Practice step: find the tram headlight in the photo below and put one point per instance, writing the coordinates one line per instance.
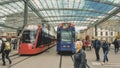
(33, 45)
(68, 46)
(64, 46)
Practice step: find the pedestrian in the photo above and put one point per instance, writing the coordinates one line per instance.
(105, 47)
(5, 50)
(116, 46)
(0, 44)
(97, 45)
(79, 56)
(15, 44)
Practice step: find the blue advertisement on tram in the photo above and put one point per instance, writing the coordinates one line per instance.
(66, 38)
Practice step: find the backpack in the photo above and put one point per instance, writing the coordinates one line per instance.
(7, 46)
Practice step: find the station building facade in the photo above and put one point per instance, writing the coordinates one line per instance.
(101, 34)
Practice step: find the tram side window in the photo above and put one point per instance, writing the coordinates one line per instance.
(40, 39)
(49, 39)
(44, 38)
(25, 37)
(45, 35)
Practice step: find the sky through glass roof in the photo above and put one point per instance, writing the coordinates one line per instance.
(80, 12)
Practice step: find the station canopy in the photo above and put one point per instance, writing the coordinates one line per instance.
(83, 13)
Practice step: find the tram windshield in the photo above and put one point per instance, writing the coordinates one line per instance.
(66, 36)
(28, 36)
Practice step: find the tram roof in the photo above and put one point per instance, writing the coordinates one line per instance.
(82, 13)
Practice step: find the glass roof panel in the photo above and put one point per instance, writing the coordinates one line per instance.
(41, 13)
(44, 3)
(5, 9)
(20, 4)
(53, 13)
(80, 12)
(50, 4)
(44, 12)
(11, 8)
(66, 3)
(15, 6)
(98, 6)
(65, 8)
(114, 1)
(1, 14)
(71, 3)
(59, 3)
(36, 4)
(3, 0)
(56, 12)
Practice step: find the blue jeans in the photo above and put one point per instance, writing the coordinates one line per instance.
(105, 56)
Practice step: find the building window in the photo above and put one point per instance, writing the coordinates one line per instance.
(96, 34)
(118, 33)
(106, 33)
(101, 33)
(111, 33)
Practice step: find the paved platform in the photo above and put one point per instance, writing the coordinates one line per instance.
(114, 59)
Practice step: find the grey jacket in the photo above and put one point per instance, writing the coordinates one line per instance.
(80, 59)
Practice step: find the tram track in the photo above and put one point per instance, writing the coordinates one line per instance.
(10, 56)
(21, 60)
(61, 58)
(16, 59)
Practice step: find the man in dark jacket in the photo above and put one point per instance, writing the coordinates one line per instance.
(97, 45)
(116, 45)
(80, 56)
(15, 44)
(5, 52)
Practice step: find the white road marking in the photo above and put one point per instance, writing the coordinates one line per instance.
(96, 63)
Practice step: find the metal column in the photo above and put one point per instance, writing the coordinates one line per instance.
(95, 30)
(25, 13)
(20, 29)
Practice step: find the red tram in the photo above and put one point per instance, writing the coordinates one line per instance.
(35, 39)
